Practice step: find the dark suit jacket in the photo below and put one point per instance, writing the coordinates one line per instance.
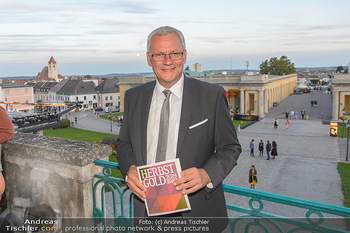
(212, 146)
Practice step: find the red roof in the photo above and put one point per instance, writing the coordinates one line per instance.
(52, 61)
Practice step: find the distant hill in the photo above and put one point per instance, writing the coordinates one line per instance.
(19, 77)
(236, 71)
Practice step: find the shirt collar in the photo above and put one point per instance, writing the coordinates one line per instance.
(177, 89)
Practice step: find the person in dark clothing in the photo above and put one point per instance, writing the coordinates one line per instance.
(274, 150)
(261, 148)
(275, 123)
(268, 149)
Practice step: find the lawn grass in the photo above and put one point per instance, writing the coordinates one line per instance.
(106, 116)
(344, 171)
(241, 123)
(340, 131)
(77, 134)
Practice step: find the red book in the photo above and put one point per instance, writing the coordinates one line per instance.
(161, 196)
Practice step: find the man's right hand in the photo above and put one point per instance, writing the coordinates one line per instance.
(134, 183)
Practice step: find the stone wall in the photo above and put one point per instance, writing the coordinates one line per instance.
(53, 171)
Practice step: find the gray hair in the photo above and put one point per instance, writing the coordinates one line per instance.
(163, 31)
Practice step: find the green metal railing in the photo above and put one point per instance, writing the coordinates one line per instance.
(253, 218)
(312, 222)
(105, 182)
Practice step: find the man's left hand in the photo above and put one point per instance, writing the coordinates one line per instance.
(192, 180)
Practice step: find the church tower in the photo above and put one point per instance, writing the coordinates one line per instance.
(52, 69)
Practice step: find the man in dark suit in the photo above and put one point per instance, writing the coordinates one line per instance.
(201, 133)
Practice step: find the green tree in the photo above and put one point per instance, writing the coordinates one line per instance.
(277, 66)
(340, 69)
(187, 68)
(87, 76)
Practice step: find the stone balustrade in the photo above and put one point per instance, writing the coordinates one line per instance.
(53, 171)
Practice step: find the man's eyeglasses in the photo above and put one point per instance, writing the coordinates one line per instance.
(161, 56)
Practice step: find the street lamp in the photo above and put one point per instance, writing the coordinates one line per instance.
(343, 118)
(347, 141)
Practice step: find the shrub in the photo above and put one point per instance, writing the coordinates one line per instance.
(64, 123)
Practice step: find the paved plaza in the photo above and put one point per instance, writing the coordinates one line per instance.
(306, 166)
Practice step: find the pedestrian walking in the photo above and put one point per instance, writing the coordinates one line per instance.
(312, 103)
(72, 122)
(274, 150)
(253, 179)
(119, 120)
(296, 115)
(261, 148)
(251, 147)
(287, 114)
(268, 149)
(302, 114)
(287, 124)
(275, 124)
(76, 120)
(292, 114)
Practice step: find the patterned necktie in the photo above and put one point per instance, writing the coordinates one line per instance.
(163, 128)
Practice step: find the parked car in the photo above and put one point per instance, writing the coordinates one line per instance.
(99, 109)
(112, 109)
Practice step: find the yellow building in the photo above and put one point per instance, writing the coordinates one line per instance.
(341, 96)
(250, 95)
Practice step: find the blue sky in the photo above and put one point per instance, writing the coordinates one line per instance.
(105, 36)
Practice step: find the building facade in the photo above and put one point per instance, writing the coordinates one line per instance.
(14, 92)
(198, 67)
(247, 95)
(108, 93)
(341, 96)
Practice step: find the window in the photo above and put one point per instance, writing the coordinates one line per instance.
(94, 97)
(17, 91)
(111, 97)
(7, 92)
(77, 98)
(25, 90)
(106, 98)
(84, 97)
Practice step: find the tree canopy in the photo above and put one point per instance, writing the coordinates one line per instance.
(282, 66)
(339, 69)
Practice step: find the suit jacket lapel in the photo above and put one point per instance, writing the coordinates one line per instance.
(188, 99)
(146, 104)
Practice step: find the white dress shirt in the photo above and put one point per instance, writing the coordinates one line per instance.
(174, 120)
